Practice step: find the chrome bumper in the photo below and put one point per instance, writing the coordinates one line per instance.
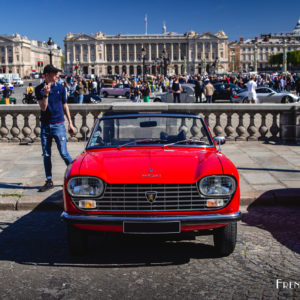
(119, 220)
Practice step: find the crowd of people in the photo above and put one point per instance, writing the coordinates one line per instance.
(141, 90)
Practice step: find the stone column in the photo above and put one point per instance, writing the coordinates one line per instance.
(172, 52)
(150, 52)
(211, 50)
(81, 55)
(179, 51)
(74, 55)
(120, 53)
(134, 53)
(127, 53)
(112, 52)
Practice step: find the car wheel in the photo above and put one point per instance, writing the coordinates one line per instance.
(157, 100)
(24, 101)
(287, 99)
(225, 239)
(105, 95)
(245, 100)
(77, 240)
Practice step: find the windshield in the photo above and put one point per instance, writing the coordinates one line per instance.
(137, 131)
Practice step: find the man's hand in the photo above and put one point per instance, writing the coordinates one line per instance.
(47, 88)
(71, 128)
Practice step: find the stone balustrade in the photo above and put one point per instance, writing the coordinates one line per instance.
(237, 122)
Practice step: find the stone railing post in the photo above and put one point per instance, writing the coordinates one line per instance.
(218, 129)
(229, 129)
(37, 128)
(15, 130)
(26, 130)
(252, 130)
(263, 129)
(241, 130)
(3, 130)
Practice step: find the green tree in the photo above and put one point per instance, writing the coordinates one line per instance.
(293, 58)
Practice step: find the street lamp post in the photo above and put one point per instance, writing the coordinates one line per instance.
(165, 60)
(255, 58)
(144, 58)
(50, 45)
(284, 64)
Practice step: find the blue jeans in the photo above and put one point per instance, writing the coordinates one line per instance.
(79, 99)
(58, 132)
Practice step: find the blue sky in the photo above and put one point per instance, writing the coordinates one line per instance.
(39, 19)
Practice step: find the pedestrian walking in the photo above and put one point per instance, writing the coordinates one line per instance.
(6, 93)
(79, 92)
(176, 90)
(52, 99)
(198, 91)
(146, 92)
(135, 92)
(209, 91)
(251, 85)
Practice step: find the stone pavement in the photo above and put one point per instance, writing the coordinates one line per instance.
(269, 174)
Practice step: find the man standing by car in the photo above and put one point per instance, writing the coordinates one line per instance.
(52, 98)
(251, 85)
(209, 91)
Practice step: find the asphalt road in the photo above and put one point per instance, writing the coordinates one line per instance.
(35, 263)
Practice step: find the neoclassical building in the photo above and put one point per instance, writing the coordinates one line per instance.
(21, 55)
(241, 54)
(103, 54)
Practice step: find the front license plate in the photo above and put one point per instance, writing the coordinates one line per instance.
(151, 227)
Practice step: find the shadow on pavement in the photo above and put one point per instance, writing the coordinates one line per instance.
(39, 238)
(16, 185)
(277, 211)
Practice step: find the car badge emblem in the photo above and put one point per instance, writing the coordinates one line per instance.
(151, 196)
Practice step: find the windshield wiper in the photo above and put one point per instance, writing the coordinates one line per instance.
(142, 141)
(185, 141)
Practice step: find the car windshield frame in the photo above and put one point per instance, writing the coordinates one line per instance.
(210, 143)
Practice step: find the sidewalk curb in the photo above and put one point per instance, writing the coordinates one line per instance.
(280, 197)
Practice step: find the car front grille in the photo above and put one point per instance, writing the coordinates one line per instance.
(169, 197)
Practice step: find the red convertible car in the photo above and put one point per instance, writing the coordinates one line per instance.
(152, 174)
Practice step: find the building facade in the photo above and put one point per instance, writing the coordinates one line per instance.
(245, 54)
(21, 55)
(103, 54)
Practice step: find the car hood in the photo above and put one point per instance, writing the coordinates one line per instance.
(148, 165)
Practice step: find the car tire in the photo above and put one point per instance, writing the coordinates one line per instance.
(245, 100)
(24, 101)
(105, 94)
(287, 99)
(225, 239)
(77, 240)
(157, 100)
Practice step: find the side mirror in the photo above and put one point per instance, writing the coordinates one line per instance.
(219, 140)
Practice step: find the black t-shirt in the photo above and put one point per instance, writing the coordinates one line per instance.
(175, 86)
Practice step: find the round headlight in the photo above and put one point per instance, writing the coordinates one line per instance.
(85, 186)
(217, 185)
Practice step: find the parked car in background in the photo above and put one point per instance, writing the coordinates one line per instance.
(224, 91)
(266, 95)
(117, 90)
(18, 82)
(152, 174)
(187, 95)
